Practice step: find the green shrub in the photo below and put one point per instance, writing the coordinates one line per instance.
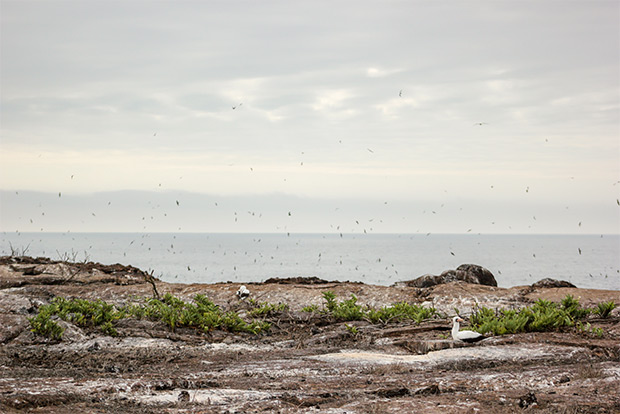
(266, 308)
(201, 314)
(604, 309)
(310, 309)
(350, 310)
(573, 308)
(399, 312)
(542, 316)
(43, 325)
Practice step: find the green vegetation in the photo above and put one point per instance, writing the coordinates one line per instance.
(79, 311)
(265, 308)
(201, 314)
(542, 316)
(589, 329)
(350, 310)
(42, 324)
(604, 308)
(352, 330)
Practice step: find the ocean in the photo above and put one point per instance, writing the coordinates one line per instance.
(588, 261)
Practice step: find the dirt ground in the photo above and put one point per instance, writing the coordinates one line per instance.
(306, 363)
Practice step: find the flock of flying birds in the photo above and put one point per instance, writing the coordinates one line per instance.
(243, 292)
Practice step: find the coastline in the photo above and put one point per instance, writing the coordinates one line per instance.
(305, 362)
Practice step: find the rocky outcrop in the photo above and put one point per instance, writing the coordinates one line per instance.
(552, 283)
(24, 270)
(468, 273)
(313, 280)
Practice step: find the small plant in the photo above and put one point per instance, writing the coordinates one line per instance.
(18, 252)
(352, 330)
(266, 308)
(330, 298)
(400, 311)
(589, 329)
(67, 257)
(348, 310)
(310, 309)
(604, 309)
(572, 306)
(43, 325)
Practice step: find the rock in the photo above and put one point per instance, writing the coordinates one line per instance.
(472, 273)
(312, 280)
(430, 390)
(392, 392)
(13, 303)
(527, 400)
(12, 326)
(424, 281)
(552, 283)
(468, 273)
(71, 333)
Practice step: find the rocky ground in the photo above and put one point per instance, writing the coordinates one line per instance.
(306, 362)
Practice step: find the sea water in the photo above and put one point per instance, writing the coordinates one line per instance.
(587, 261)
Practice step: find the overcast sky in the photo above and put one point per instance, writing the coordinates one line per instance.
(494, 111)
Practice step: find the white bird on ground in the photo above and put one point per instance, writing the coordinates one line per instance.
(465, 336)
(243, 292)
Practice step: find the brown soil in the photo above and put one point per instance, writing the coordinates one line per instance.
(305, 363)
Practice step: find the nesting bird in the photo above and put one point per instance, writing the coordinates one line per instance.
(465, 336)
(243, 292)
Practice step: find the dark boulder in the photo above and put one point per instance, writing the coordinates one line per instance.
(312, 280)
(552, 283)
(472, 273)
(468, 273)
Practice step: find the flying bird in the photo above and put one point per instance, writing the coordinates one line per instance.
(236, 106)
(243, 292)
(480, 123)
(465, 336)
(400, 93)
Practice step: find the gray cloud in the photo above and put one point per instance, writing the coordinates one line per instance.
(148, 88)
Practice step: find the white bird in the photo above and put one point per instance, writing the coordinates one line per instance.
(243, 292)
(465, 336)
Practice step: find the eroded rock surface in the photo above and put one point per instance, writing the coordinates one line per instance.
(306, 363)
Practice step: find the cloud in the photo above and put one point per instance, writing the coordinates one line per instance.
(129, 96)
(373, 72)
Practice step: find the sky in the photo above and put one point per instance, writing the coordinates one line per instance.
(355, 116)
